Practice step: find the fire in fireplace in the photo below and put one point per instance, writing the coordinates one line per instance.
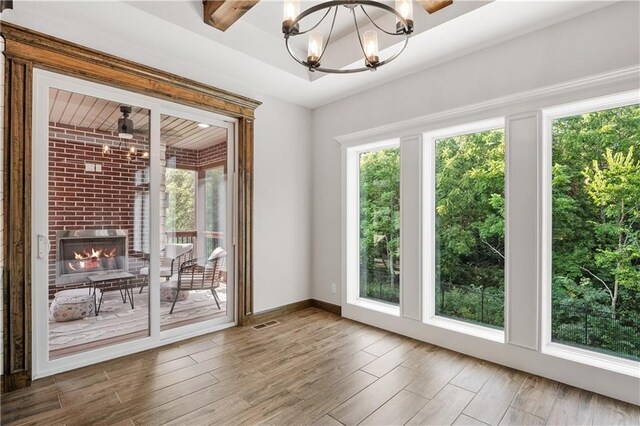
(80, 253)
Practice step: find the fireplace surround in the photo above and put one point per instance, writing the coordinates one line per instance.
(84, 252)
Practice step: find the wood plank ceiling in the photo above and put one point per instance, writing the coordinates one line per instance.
(92, 113)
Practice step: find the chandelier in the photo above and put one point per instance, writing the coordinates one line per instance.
(367, 40)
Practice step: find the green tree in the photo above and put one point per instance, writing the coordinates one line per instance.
(470, 209)
(615, 189)
(380, 215)
(180, 187)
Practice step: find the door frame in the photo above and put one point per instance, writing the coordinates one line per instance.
(25, 50)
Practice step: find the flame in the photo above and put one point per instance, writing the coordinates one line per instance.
(90, 259)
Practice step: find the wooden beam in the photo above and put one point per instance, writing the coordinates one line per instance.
(432, 6)
(221, 14)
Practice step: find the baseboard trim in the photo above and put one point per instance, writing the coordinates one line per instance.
(326, 306)
(269, 314)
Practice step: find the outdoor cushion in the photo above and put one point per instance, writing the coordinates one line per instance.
(69, 305)
(218, 252)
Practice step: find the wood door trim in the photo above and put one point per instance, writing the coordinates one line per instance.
(25, 50)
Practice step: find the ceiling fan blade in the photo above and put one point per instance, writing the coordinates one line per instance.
(432, 6)
(221, 14)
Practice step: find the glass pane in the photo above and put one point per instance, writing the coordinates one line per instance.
(596, 231)
(469, 200)
(98, 222)
(380, 225)
(193, 261)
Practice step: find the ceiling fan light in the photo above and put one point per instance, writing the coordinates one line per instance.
(125, 128)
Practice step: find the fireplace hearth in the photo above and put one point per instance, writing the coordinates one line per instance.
(80, 253)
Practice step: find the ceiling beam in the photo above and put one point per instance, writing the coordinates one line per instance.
(432, 6)
(221, 14)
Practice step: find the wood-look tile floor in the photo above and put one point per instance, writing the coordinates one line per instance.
(311, 368)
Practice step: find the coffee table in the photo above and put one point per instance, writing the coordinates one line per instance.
(101, 280)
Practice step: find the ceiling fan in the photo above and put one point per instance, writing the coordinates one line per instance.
(222, 14)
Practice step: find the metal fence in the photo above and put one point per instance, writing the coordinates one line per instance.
(594, 329)
(484, 305)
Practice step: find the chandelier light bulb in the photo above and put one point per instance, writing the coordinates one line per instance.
(106, 149)
(315, 49)
(132, 150)
(290, 13)
(405, 9)
(370, 42)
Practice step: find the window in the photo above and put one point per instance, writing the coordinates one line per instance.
(595, 265)
(468, 208)
(379, 214)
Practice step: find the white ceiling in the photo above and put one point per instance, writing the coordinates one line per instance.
(250, 58)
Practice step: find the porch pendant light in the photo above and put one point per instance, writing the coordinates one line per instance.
(367, 40)
(125, 125)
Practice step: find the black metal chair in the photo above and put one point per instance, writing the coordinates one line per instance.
(171, 258)
(200, 274)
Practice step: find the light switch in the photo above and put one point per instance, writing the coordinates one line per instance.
(89, 167)
(98, 167)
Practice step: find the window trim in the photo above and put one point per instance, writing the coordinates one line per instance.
(429, 233)
(352, 227)
(547, 346)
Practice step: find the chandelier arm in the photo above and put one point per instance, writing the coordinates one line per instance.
(295, 58)
(333, 22)
(376, 25)
(316, 25)
(355, 21)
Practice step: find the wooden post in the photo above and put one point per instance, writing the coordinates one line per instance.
(17, 224)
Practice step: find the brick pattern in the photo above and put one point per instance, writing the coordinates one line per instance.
(195, 160)
(80, 199)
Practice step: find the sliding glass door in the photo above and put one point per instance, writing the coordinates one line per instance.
(131, 201)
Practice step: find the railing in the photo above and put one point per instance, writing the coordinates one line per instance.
(578, 325)
(212, 239)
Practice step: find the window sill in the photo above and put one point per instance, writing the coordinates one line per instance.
(373, 305)
(467, 328)
(594, 359)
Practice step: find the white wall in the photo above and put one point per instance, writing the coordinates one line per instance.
(604, 40)
(282, 205)
(599, 42)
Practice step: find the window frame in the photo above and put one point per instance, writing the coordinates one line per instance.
(547, 346)
(429, 232)
(351, 198)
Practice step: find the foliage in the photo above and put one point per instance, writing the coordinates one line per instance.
(595, 229)
(181, 202)
(380, 220)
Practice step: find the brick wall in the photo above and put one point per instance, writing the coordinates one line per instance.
(80, 199)
(193, 160)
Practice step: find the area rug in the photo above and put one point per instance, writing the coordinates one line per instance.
(118, 319)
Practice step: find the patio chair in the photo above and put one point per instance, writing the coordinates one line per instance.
(199, 274)
(171, 258)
